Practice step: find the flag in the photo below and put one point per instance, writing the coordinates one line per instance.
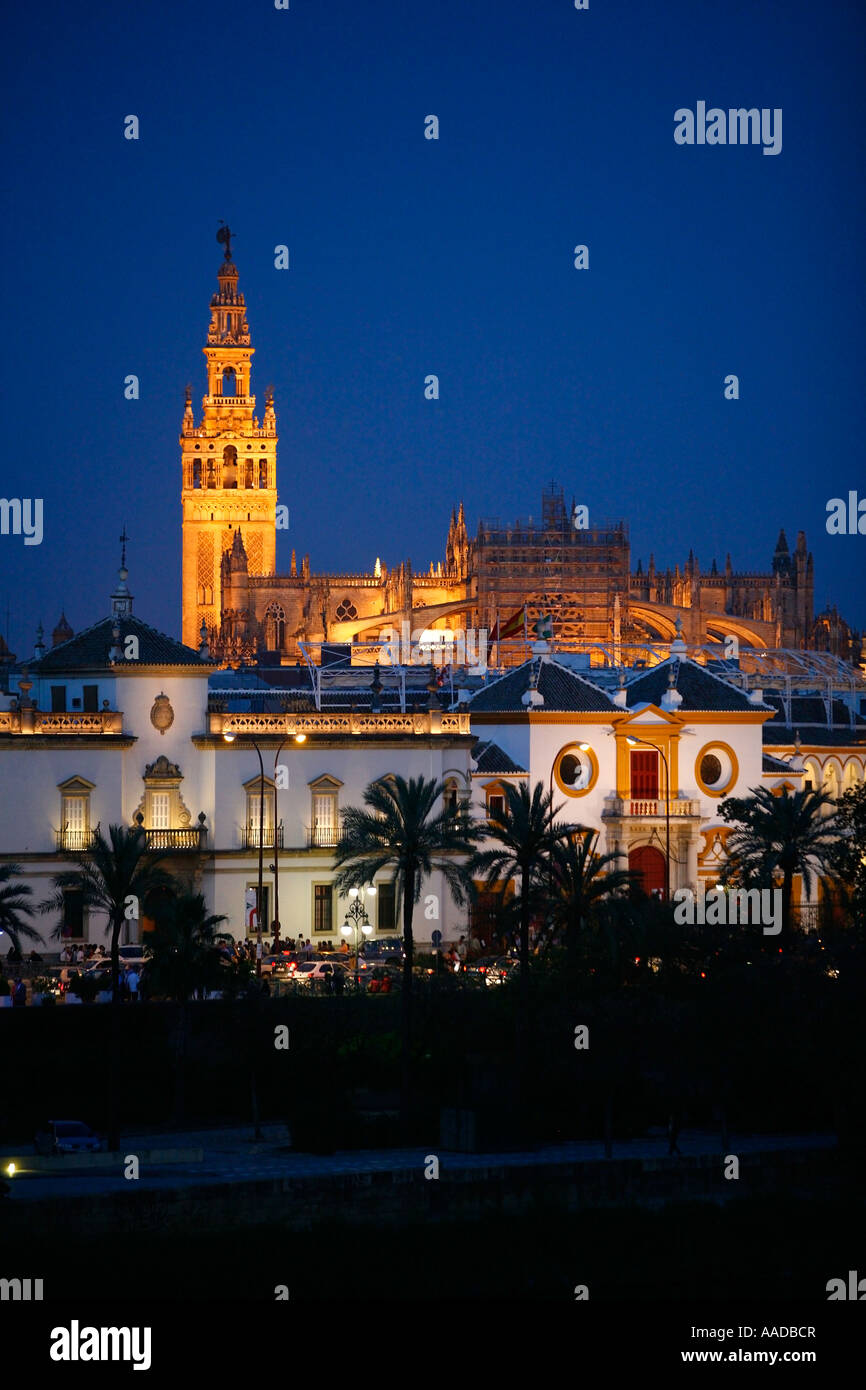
(512, 628)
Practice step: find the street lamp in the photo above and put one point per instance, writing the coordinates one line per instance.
(299, 738)
(360, 921)
(633, 741)
(229, 738)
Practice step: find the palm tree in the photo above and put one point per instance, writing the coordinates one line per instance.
(184, 957)
(114, 875)
(779, 835)
(183, 950)
(526, 835)
(581, 879)
(408, 830)
(14, 907)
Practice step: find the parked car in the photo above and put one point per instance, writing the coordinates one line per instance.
(502, 970)
(283, 964)
(67, 1137)
(482, 965)
(386, 950)
(382, 979)
(311, 972)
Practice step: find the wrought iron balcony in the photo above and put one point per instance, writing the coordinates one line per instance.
(323, 836)
(75, 840)
(184, 840)
(250, 836)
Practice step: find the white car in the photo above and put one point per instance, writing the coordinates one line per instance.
(311, 971)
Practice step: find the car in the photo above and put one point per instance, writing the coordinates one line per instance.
(313, 972)
(482, 965)
(375, 979)
(284, 964)
(67, 1137)
(382, 951)
(503, 969)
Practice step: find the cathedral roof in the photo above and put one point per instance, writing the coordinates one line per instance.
(91, 648)
(560, 689)
(699, 688)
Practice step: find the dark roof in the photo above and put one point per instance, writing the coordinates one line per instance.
(699, 688)
(562, 690)
(843, 736)
(90, 648)
(812, 710)
(771, 764)
(490, 758)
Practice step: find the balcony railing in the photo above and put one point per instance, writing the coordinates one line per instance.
(652, 808)
(322, 836)
(34, 721)
(185, 840)
(250, 836)
(75, 840)
(274, 725)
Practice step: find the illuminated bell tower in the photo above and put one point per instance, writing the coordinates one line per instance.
(229, 462)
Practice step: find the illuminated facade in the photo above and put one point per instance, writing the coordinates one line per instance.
(566, 564)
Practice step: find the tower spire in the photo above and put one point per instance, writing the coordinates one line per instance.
(229, 460)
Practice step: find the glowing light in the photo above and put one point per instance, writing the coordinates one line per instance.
(300, 738)
(10, 1169)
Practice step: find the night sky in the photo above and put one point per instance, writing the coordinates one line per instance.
(454, 257)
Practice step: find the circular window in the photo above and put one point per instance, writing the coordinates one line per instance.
(716, 769)
(711, 769)
(575, 770)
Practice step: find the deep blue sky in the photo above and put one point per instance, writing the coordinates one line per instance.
(411, 256)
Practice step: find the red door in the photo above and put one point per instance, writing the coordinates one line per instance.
(644, 775)
(649, 864)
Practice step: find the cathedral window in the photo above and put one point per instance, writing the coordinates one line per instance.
(248, 473)
(211, 473)
(196, 473)
(346, 611)
(228, 386)
(263, 472)
(275, 628)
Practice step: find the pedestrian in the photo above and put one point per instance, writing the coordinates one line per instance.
(19, 997)
(124, 988)
(133, 981)
(339, 980)
(79, 955)
(461, 950)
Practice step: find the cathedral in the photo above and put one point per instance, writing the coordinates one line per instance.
(564, 568)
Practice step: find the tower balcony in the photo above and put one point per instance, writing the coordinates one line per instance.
(229, 402)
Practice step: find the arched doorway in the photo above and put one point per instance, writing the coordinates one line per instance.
(648, 863)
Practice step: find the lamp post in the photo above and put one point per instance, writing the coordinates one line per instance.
(360, 921)
(229, 738)
(630, 740)
(299, 738)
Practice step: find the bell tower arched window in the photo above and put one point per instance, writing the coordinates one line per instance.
(229, 383)
(230, 466)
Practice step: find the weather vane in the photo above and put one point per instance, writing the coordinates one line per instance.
(123, 539)
(224, 235)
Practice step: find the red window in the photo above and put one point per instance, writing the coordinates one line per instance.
(644, 775)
